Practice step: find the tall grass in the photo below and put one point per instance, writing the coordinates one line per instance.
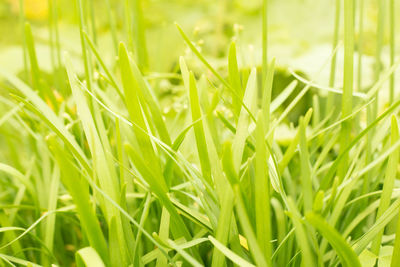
(96, 173)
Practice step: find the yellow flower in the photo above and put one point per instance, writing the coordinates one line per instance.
(34, 9)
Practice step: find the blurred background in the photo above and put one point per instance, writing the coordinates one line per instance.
(300, 33)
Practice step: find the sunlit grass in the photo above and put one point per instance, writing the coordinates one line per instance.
(96, 173)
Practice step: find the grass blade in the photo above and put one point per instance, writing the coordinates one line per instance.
(346, 253)
(388, 184)
(199, 130)
(261, 192)
(88, 257)
(347, 83)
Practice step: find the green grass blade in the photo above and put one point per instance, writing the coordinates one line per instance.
(261, 189)
(396, 247)
(79, 190)
(185, 255)
(205, 62)
(37, 81)
(347, 102)
(234, 79)
(163, 234)
(52, 205)
(290, 151)
(139, 37)
(388, 183)
(335, 41)
(306, 179)
(362, 243)
(88, 257)
(264, 40)
(35, 72)
(93, 138)
(278, 100)
(137, 91)
(267, 93)
(178, 226)
(50, 118)
(301, 236)
(103, 65)
(222, 232)
(229, 253)
(346, 253)
(328, 177)
(199, 130)
(392, 26)
(242, 133)
(255, 249)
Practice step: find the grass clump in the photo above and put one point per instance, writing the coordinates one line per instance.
(98, 170)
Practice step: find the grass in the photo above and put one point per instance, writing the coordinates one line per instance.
(95, 172)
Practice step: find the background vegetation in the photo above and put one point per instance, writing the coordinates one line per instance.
(199, 133)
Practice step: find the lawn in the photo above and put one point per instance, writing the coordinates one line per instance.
(199, 133)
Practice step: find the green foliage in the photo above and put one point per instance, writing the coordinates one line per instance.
(106, 160)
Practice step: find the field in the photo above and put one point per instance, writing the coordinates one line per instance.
(199, 133)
